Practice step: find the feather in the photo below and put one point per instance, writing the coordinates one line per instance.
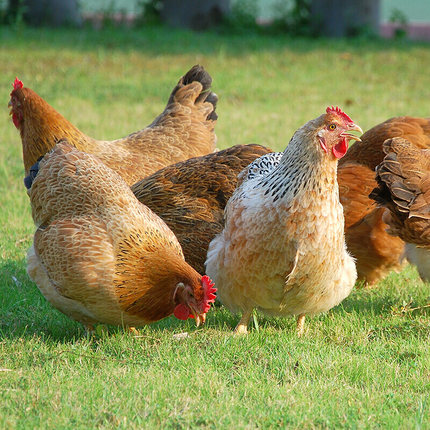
(184, 129)
(99, 255)
(376, 251)
(190, 196)
(406, 194)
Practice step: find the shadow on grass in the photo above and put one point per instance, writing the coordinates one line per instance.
(366, 302)
(25, 313)
(395, 292)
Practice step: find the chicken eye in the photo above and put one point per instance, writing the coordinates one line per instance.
(332, 127)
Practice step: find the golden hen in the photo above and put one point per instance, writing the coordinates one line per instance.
(376, 252)
(404, 189)
(282, 249)
(184, 129)
(190, 196)
(99, 255)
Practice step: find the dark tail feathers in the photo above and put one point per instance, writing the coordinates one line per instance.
(198, 74)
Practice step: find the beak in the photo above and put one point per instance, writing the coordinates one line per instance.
(9, 105)
(200, 319)
(353, 127)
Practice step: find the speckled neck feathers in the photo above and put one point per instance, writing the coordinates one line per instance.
(301, 167)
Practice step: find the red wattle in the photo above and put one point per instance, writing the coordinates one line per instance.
(340, 149)
(15, 120)
(182, 312)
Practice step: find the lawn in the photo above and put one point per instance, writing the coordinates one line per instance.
(365, 364)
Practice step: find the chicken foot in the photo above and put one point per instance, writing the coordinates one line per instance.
(242, 326)
(133, 331)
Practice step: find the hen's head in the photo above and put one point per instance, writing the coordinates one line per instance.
(194, 301)
(333, 132)
(15, 103)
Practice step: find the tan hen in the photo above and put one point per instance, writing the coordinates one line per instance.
(183, 130)
(99, 255)
(282, 249)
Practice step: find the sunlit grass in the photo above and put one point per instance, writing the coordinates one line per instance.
(365, 364)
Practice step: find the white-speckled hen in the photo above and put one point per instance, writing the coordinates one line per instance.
(283, 249)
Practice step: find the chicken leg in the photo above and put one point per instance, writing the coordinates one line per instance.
(242, 326)
(300, 325)
(89, 330)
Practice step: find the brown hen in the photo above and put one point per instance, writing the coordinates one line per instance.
(376, 251)
(190, 196)
(184, 129)
(99, 255)
(404, 189)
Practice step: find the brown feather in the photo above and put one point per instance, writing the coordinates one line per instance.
(99, 255)
(190, 196)
(184, 129)
(376, 251)
(369, 151)
(405, 190)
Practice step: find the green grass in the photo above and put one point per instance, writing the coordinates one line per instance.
(365, 364)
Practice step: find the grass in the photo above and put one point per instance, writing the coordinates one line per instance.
(365, 364)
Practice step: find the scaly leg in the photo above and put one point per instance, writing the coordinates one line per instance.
(242, 326)
(89, 329)
(300, 324)
(133, 331)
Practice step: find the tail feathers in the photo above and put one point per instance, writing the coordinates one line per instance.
(212, 98)
(198, 74)
(390, 165)
(402, 196)
(397, 145)
(399, 177)
(34, 170)
(404, 189)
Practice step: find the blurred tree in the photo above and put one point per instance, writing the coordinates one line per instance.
(339, 18)
(45, 12)
(194, 14)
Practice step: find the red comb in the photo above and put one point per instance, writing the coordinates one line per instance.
(208, 287)
(17, 84)
(337, 110)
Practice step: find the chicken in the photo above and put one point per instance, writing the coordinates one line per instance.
(282, 249)
(99, 255)
(375, 251)
(184, 129)
(369, 152)
(404, 189)
(190, 196)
